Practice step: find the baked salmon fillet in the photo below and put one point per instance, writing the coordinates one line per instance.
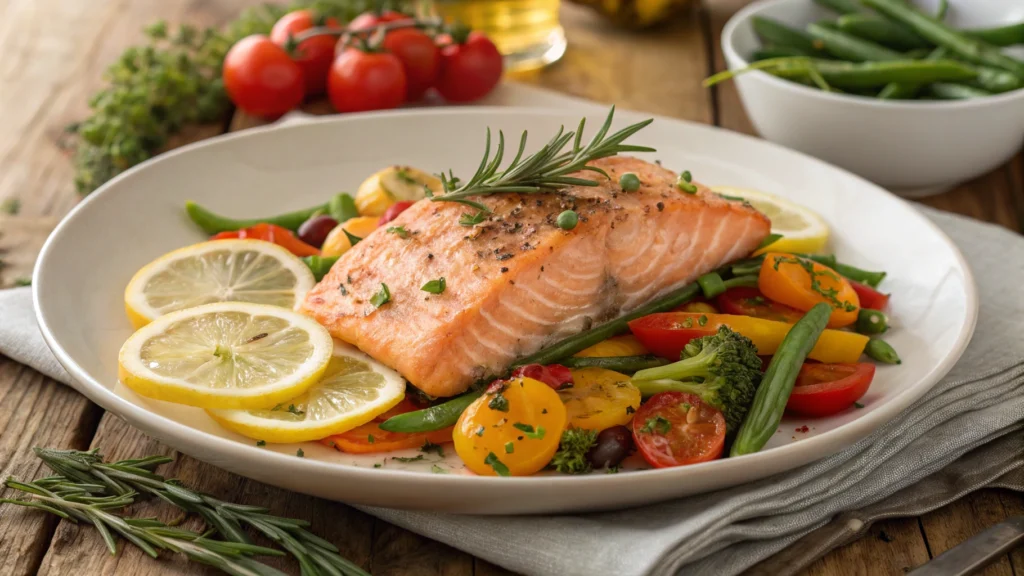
(516, 281)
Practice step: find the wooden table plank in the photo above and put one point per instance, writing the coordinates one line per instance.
(948, 526)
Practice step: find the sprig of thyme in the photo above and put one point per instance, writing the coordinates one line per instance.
(544, 171)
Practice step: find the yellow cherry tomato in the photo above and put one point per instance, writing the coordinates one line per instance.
(599, 399)
(626, 345)
(337, 243)
(698, 308)
(394, 184)
(511, 431)
(802, 283)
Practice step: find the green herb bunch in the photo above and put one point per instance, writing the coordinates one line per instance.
(173, 81)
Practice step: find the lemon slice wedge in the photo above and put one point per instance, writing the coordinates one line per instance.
(226, 355)
(802, 230)
(354, 389)
(217, 271)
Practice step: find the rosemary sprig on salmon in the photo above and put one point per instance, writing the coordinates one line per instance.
(545, 171)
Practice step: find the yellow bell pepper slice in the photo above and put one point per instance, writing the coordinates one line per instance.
(625, 345)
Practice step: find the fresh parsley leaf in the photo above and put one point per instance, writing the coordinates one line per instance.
(342, 289)
(858, 405)
(702, 320)
(658, 424)
(261, 442)
(429, 447)
(300, 453)
(509, 447)
(473, 219)
(370, 438)
(499, 402)
(499, 468)
(480, 431)
(528, 430)
(382, 297)
(435, 286)
(524, 427)
(400, 231)
(294, 410)
(408, 458)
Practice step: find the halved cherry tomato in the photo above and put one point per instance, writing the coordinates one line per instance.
(751, 302)
(314, 55)
(869, 297)
(273, 233)
(667, 333)
(369, 438)
(676, 429)
(802, 283)
(393, 211)
(599, 399)
(512, 429)
(825, 389)
(554, 375)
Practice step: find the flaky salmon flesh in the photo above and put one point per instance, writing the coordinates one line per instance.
(516, 281)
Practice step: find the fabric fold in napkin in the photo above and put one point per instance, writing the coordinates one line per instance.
(964, 434)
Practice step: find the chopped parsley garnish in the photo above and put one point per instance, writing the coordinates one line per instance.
(702, 320)
(544, 411)
(499, 402)
(399, 231)
(509, 448)
(382, 297)
(300, 453)
(537, 434)
(408, 458)
(656, 425)
(294, 410)
(480, 431)
(524, 427)
(688, 322)
(437, 469)
(377, 465)
(830, 294)
(499, 468)
(435, 286)
(686, 176)
(352, 238)
(261, 442)
(630, 410)
(686, 406)
(429, 447)
(370, 438)
(403, 175)
(473, 219)
(858, 405)
(342, 289)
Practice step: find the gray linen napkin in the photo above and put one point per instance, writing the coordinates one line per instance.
(966, 433)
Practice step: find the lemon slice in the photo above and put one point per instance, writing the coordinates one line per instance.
(226, 355)
(217, 271)
(354, 389)
(802, 230)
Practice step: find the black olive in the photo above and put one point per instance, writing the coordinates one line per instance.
(612, 447)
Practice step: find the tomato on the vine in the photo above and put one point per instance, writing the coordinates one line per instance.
(420, 58)
(469, 69)
(261, 78)
(373, 19)
(313, 55)
(361, 80)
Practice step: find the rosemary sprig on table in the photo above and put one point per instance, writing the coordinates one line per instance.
(126, 478)
(543, 171)
(80, 502)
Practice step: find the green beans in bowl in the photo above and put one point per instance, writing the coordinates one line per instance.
(907, 94)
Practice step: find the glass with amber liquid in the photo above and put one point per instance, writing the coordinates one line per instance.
(526, 32)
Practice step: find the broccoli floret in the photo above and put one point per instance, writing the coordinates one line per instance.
(571, 457)
(723, 369)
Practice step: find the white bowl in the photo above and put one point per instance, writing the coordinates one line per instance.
(916, 148)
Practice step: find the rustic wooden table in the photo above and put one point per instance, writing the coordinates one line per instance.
(54, 53)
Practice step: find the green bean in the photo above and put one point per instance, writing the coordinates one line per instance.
(214, 223)
(342, 208)
(996, 81)
(872, 279)
(1010, 35)
(871, 322)
(907, 90)
(880, 350)
(881, 31)
(711, 285)
(779, 52)
(824, 259)
(940, 12)
(748, 266)
(770, 400)
(952, 91)
(434, 418)
(320, 265)
(851, 48)
(624, 364)
(774, 33)
(849, 75)
(964, 46)
(841, 6)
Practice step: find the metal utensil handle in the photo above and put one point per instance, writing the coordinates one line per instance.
(977, 552)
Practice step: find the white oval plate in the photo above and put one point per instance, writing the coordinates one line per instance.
(86, 263)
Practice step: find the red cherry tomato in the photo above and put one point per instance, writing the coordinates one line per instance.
(314, 55)
(402, 407)
(274, 234)
(667, 334)
(869, 297)
(373, 19)
(361, 81)
(470, 70)
(393, 211)
(554, 375)
(825, 389)
(261, 78)
(420, 58)
(676, 429)
(751, 302)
